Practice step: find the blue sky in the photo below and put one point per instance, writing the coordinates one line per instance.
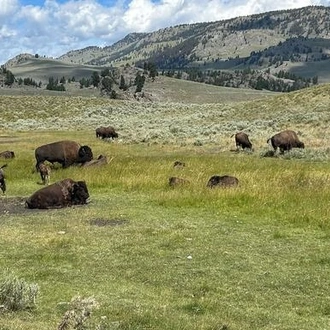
(53, 27)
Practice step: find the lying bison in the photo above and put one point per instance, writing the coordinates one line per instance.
(222, 181)
(64, 152)
(176, 181)
(285, 141)
(60, 194)
(7, 154)
(101, 160)
(2, 179)
(242, 140)
(178, 164)
(106, 132)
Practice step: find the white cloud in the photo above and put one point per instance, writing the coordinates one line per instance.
(8, 8)
(59, 26)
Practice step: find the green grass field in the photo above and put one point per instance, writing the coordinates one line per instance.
(189, 257)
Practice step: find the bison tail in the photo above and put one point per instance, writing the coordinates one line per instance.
(268, 140)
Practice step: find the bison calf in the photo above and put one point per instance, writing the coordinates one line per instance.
(60, 194)
(2, 179)
(44, 171)
(222, 181)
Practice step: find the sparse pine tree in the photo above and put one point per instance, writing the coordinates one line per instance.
(122, 84)
(95, 79)
(10, 78)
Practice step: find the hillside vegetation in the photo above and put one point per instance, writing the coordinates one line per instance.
(280, 51)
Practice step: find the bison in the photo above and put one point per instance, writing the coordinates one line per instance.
(60, 194)
(7, 154)
(66, 153)
(285, 141)
(242, 140)
(106, 132)
(44, 171)
(178, 164)
(2, 179)
(222, 181)
(175, 181)
(101, 160)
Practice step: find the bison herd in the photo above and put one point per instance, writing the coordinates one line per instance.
(68, 192)
(284, 141)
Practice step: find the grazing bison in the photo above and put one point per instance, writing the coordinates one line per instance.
(106, 132)
(175, 181)
(60, 194)
(7, 154)
(222, 181)
(285, 141)
(2, 179)
(242, 140)
(44, 171)
(64, 152)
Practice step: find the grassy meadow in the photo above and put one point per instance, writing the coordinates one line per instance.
(151, 256)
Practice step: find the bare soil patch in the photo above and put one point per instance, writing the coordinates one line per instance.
(12, 205)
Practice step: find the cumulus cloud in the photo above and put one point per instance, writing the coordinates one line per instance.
(58, 26)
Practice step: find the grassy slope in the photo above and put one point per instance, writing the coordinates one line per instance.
(258, 253)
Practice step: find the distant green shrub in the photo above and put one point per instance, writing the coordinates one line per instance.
(16, 294)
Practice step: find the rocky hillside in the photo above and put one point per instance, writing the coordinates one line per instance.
(294, 41)
(222, 44)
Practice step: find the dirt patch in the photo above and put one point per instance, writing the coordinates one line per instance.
(108, 222)
(16, 205)
(12, 205)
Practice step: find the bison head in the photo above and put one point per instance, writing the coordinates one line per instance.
(85, 154)
(79, 193)
(300, 145)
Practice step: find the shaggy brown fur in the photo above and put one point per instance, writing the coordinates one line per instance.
(285, 141)
(222, 181)
(66, 153)
(60, 194)
(44, 171)
(2, 179)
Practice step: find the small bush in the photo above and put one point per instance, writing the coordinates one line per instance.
(77, 315)
(16, 294)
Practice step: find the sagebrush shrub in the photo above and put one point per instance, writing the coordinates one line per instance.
(16, 294)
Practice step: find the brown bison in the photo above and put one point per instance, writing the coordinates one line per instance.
(175, 181)
(222, 181)
(2, 179)
(178, 164)
(44, 171)
(285, 141)
(106, 132)
(66, 153)
(242, 140)
(60, 194)
(7, 154)
(101, 160)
